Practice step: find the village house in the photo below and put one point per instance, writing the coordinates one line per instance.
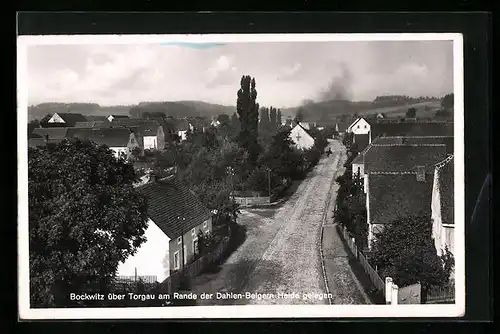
(175, 217)
(183, 126)
(301, 138)
(65, 120)
(149, 133)
(214, 123)
(442, 207)
(422, 129)
(358, 162)
(360, 130)
(43, 136)
(401, 175)
(121, 141)
(111, 118)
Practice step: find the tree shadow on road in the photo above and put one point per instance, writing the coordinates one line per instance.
(237, 237)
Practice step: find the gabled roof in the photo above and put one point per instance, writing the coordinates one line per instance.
(168, 201)
(417, 140)
(112, 137)
(349, 128)
(446, 190)
(394, 196)
(412, 129)
(53, 133)
(304, 129)
(182, 125)
(403, 158)
(72, 118)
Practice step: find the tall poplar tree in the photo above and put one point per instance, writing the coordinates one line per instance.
(278, 118)
(248, 112)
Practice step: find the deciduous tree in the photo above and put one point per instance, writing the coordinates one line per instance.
(405, 251)
(85, 217)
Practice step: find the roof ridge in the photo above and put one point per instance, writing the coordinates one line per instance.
(444, 162)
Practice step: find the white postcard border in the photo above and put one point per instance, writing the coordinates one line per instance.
(247, 311)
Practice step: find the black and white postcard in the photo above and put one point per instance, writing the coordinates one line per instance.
(241, 176)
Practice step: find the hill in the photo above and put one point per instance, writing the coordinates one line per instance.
(175, 109)
(330, 110)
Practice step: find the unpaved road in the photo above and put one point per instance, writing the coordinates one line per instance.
(281, 253)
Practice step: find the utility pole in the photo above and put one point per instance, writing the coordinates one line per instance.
(269, 182)
(182, 242)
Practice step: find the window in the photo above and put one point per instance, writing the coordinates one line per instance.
(179, 240)
(193, 232)
(195, 246)
(205, 224)
(184, 255)
(358, 127)
(365, 126)
(176, 260)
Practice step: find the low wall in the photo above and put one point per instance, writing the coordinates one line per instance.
(247, 201)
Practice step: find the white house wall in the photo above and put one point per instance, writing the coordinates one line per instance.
(150, 142)
(152, 258)
(301, 138)
(119, 150)
(361, 127)
(436, 214)
(56, 119)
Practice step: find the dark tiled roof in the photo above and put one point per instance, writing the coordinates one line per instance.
(403, 158)
(418, 140)
(37, 142)
(144, 126)
(72, 118)
(53, 133)
(93, 124)
(168, 200)
(446, 187)
(112, 137)
(393, 196)
(120, 116)
(96, 118)
(182, 125)
(412, 129)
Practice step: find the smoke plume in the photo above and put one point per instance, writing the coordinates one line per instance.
(339, 87)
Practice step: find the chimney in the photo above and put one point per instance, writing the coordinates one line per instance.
(420, 174)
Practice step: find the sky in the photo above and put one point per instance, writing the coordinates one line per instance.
(286, 73)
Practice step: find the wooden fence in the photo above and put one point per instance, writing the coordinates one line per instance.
(375, 279)
(443, 295)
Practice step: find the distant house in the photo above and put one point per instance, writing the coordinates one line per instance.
(215, 123)
(111, 118)
(175, 217)
(150, 133)
(442, 207)
(360, 130)
(121, 141)
(398, 182)
(65, 119)
(301, 138)
(380, 116)
(183, 126)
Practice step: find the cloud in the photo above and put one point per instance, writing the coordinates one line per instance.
(222, 72)
(290, 72)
